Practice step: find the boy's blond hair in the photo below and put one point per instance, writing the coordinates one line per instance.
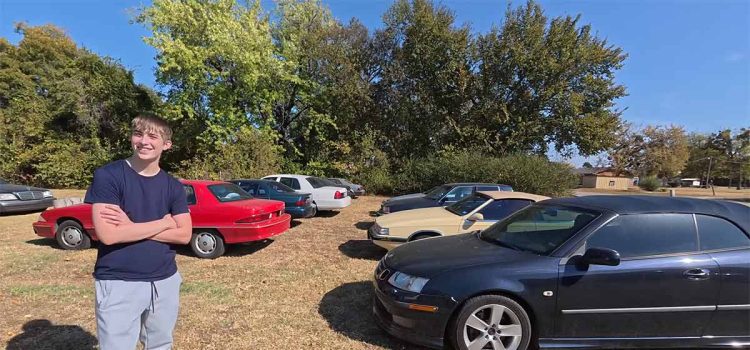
(147, 122)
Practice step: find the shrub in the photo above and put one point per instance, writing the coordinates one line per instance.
(650, 183)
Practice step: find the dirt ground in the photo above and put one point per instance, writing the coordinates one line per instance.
(717, 192)
(308, 288)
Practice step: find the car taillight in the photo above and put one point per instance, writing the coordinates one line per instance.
(255, 218)
(338, 195)
(300, 202)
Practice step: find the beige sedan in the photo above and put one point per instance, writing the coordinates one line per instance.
(475, 212)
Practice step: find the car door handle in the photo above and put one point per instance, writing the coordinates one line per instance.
(697, 274)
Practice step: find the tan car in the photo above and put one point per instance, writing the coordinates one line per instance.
(475, 212)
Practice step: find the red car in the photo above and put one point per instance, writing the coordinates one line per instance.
(222, 214)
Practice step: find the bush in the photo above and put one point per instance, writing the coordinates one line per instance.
(525, 173)
(650, 183)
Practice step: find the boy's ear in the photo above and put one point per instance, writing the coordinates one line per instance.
(167, 144)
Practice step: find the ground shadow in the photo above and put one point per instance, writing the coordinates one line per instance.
(43, 335)
(45, 242)
(347, 309)
(240, 249)
(364, 225)
(374, 213)
(294, 223)
(327, 214)
(24, 212)
(362, 249)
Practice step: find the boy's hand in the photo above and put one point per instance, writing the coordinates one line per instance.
(114, 215)
(169, 221)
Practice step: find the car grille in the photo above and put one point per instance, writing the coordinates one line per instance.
(29, 195)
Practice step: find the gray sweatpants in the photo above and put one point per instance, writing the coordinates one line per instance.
(126, 310)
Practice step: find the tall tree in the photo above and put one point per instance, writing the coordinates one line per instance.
(543, 82)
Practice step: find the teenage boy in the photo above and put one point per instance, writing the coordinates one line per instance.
(139, 212)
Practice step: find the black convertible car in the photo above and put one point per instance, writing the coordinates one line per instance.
(18, 198)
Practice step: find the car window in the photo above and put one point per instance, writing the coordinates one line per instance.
(506, 188)
(335, 181)
(280, 187)
(190, 193)
(458, 193)
(538, 229)
(717, 233)
(500, 209)
(487, 188)
(291, 182)
(467, 205)
(228, 192)
(317, 182)
(437, 192)
(249, 187)
(647, 234)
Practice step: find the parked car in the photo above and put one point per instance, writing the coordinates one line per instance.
(357, 190)
(19, 198)
(586, 272)
(324, 196)
(437, 197)
(475, 212)
(296, 204)
(222, 214)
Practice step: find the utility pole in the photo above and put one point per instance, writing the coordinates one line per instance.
(708, 175)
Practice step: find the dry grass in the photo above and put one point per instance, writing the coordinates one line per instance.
(308, 288)
(721, 192)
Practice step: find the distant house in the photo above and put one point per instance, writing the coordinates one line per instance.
(604, 178)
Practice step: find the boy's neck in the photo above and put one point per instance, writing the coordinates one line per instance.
(145, 168)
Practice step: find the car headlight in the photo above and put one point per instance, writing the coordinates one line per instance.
(7, 197)
(403, 281)
(47, 194)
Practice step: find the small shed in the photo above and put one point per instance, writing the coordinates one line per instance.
(604, 178)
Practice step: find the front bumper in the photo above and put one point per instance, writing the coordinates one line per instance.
(300, 212)
(384, 241)
(44, 229)
(16, 206)
(241, 233)
(390, 306)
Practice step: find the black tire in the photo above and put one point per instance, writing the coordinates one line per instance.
(514, 319)
(315, 211)
(207, 244)
(70, 235)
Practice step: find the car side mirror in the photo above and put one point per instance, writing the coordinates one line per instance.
(601, 256)
(476, 217)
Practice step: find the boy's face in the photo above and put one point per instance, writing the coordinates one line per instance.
(148, 145)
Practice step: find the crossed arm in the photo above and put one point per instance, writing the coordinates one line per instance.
(113, 226)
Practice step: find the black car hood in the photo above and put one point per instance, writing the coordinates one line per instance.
(411, 203)
(429, 257)
(8, 188)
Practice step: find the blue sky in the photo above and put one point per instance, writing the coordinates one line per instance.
(688, 64)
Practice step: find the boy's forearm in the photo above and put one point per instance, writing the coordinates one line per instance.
(178, 235)
(135, 231)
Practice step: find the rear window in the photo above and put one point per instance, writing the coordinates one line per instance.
(228, 192)
(280, 187)
(717, 233)
(317, 182)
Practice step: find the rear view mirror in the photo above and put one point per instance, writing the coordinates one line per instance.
(475, 217)
(601, 256)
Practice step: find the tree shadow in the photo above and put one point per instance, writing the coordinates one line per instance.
(364, 225)
(362, 249)
(347, 309)
(326, 214)
(43, 335)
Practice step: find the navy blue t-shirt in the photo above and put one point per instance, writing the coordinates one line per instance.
(144, 199)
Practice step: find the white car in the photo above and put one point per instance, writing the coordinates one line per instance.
(323, 194)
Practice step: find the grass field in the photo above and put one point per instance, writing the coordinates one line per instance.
(717, 192)
(308, 288)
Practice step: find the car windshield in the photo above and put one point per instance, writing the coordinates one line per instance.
(467, 205)
(538, 229)
(317, 182)
(279, 187)
(228, 192)
(438, 192)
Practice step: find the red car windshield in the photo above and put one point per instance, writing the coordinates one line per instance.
(228, 192)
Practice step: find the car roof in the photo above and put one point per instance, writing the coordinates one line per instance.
(513, 195)
(201, 182)
(290, 175)
(736, 212)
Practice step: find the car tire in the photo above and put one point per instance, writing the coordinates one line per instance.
(503, 320)
(207, 244)
(314, 212)
(70, 235)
